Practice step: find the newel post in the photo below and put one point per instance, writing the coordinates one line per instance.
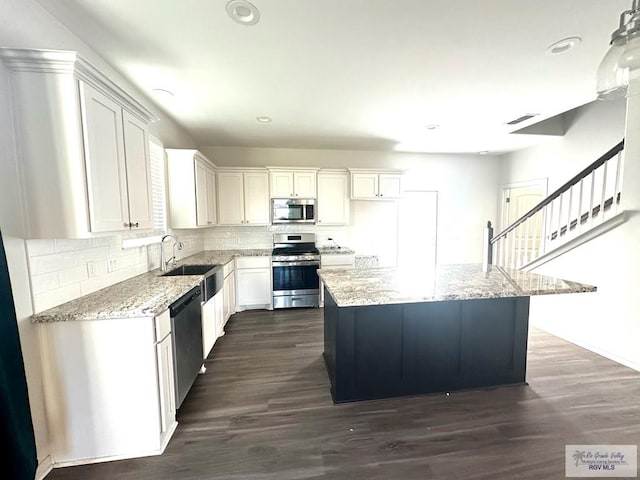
(487, 255)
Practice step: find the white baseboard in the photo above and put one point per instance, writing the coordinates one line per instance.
(594, 349)
(44, 467)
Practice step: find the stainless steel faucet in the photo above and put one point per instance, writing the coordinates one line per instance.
(164, 263)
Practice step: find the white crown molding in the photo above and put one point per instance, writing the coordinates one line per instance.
(69, 62)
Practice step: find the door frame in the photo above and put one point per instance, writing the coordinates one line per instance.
(543, 183)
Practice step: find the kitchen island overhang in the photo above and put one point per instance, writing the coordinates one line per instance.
(390, 333)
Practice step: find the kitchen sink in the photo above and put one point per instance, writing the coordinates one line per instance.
(190, 270)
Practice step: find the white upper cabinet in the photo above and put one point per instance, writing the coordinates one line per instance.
(136, 154)
(116, 149)
(230, 198)
(373, 185)
(84, 157)
(288, 183)
(333, 198)
(192, 189)
(390, 185)
(243, 197)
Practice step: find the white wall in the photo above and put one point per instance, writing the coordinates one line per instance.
(607, 321)
(466, 185)
(25, 24)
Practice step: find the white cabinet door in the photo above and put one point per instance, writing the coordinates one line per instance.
(164, 351)
(226, 304)
(136, 152)
(304, 184)
(390, 185)
(211, 197)
(282, 184)
(333, 199)
(256, 198)
(209, 327)
(105, 161)
(231, 198)
(232, 296)
(201, 193)
(219, 308)
(254, 286)
(364, 185)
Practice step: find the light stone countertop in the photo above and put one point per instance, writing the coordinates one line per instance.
(145, 295)
(381, 286)
(335, 251)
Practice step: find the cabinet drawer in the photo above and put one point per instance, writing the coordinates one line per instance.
(253, 262)
(163, 325)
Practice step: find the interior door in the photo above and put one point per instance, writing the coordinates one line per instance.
(517, 201)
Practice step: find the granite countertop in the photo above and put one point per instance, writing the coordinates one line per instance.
(380, 286)
(336, 251)
(145, 295)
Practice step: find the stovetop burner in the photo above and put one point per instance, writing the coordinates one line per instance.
(298, 249)
(294, 244)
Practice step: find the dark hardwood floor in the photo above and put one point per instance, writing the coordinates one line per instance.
(263, 411)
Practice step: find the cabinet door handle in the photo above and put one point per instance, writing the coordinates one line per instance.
(381, 195)
(136, 225)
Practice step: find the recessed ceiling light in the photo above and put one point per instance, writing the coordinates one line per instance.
(243, 12)
(563, 46)
(432, 127)
(162, 93)
(483, 152)
(264, 119)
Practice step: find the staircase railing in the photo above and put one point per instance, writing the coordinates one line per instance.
(580, 204)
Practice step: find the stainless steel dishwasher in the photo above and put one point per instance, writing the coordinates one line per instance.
(186, 329)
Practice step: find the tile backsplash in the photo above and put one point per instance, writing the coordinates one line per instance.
(64, 269)
(225, 238)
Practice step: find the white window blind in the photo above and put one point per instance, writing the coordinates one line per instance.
(158, 184)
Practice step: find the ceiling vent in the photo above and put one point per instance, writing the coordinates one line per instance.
(523, 118)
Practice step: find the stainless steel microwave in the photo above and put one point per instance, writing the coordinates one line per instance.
(293, 210)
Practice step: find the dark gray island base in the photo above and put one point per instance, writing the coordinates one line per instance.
(390, 333)
(379, 351)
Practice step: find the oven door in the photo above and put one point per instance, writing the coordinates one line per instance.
(295, 278)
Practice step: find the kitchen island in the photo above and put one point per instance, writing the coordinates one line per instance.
(391, 333)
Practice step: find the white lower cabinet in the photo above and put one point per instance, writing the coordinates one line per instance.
(253, 282)
(212, 321)
(219, 309)
(229, 291)
(164, 352)
(109, 388)
(209, 326)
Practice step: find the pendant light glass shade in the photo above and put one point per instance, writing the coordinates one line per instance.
(612, 82)
(622, 61)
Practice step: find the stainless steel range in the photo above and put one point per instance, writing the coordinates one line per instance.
(295, 261)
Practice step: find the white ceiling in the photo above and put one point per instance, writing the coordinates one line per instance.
(354, 74)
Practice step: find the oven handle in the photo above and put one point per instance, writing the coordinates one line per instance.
(307, 263)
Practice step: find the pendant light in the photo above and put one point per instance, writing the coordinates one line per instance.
(623, 57)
